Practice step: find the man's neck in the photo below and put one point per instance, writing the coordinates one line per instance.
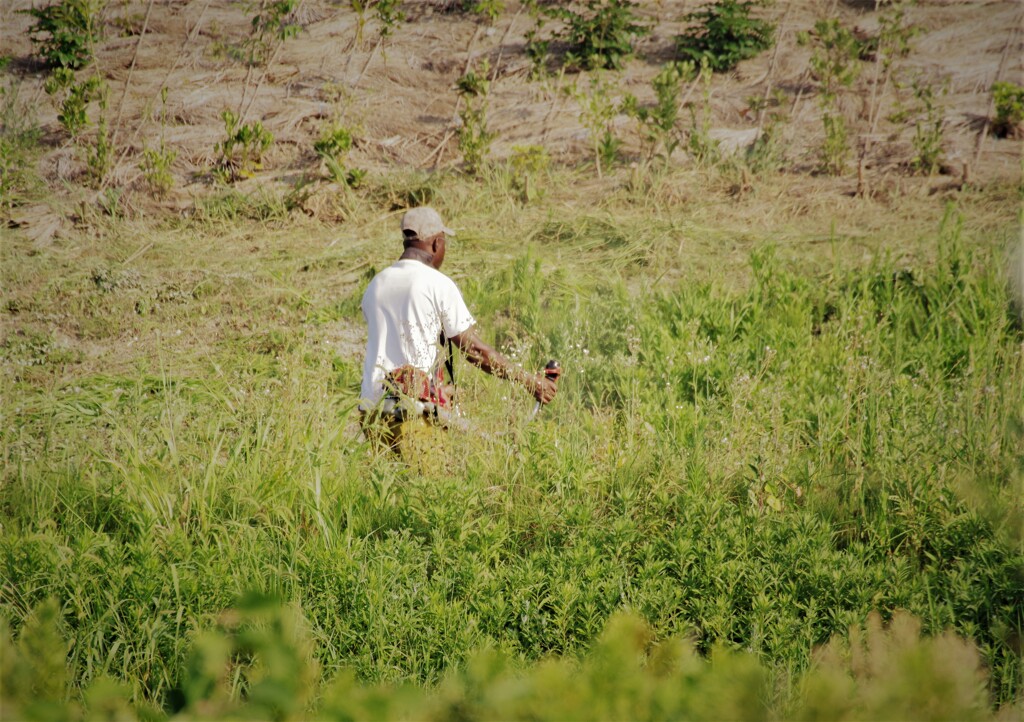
(417, 254)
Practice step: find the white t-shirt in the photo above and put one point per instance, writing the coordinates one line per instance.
(406, 307)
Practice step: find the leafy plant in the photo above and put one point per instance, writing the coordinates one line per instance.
(894, 36)
(156, 168)
(537, 44)
(526, 164)
(272, 24)
(65, 32)
(928, 127)
(834, 65)
(1009, 100)
(724, 33)
(73, 106)
(598, 36)
(490, 10)
(333, 147)
(597, 110)
(766, 154)
(99, 154)
(701, 145)
(359, 7)
(390, 15)
(474, 138)
(890, 44)
(73, 115)
(156, 162)
(658, 122)
(242, 149)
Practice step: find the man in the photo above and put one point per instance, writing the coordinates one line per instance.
(411, 310)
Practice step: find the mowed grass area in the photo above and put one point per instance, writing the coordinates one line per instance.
(789, 421)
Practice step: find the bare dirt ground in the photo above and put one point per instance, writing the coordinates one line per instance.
(399, 95)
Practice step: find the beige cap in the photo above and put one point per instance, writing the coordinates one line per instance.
(424, 222)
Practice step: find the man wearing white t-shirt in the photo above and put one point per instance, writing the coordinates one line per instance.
(410, 309)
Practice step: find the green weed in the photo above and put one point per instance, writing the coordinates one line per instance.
(701, 145)
(928, 127)
(241, 151)
(333, 147)
(598, 36)
(77, 96)
(389, 14)
(598, 108)
(474, 137)
(1009, 100)
(658, 123)
(724, 33)
(834, 64)
(272, 24)
(156, 162)
(66, 31)
(526, 167)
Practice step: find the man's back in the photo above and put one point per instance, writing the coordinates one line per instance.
(407, 306)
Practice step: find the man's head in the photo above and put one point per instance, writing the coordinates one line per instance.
(423, 229)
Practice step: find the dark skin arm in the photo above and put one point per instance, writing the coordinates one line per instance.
(489, 360)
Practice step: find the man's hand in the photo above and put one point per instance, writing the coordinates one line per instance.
(543, 388)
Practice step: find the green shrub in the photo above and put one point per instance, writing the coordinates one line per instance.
(242, 149)
(766, 154)
(599, 36)
(390, 15)
(333, 147)
(272, 24)
(65, 32)
(527, 164)
(474, 138)
(259, 662)
(99, 155)
(156, 168)
(74, 116)
(488, 9)
(598, 109)
(658, 122)
(701, 145)
(73, 110)
(156, 162)
(1009, 100)
(724, 33)
(928, 127)
(834, 64)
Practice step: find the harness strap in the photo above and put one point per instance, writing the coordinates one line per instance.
(449, 361)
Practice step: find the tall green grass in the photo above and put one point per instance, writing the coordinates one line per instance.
(733, 475)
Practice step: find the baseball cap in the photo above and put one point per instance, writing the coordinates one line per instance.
(423, 222)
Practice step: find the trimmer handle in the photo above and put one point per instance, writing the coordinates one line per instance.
(552, 370)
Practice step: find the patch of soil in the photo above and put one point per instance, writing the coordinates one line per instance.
(398, 93)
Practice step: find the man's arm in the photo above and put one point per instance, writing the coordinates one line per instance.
(489, 360)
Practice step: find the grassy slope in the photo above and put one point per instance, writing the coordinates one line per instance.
(781, 412)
